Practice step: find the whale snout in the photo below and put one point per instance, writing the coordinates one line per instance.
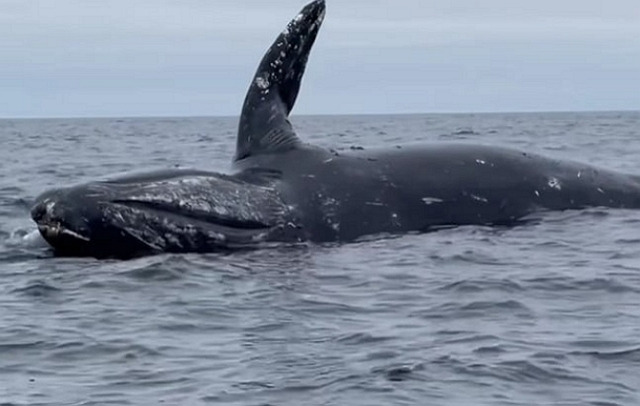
(62, 217)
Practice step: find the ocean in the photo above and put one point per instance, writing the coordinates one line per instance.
(545, 313)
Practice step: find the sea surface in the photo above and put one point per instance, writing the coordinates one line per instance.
(546, 313)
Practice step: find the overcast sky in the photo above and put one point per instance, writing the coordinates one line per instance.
(71, 58)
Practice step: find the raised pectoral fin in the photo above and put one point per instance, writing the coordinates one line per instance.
(264, 125)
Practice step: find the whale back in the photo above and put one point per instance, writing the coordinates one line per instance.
(264, 122)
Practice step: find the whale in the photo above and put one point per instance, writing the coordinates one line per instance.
(282, 190)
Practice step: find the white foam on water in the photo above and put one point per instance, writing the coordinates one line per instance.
(28, 238)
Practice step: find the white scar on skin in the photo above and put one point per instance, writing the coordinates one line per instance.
(431, 200)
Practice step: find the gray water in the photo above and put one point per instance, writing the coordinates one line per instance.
(546, 313)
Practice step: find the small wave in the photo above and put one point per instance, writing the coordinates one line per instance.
(526, 371)
(474, 286)
(155, 273)
(17, 346)
(399, 373)
(464, 131)
(320, 306)
(13, 208)
(549, 356)
(631, 355)
(33, 238)
(11, 191)
(518, 371)
(21, 245)
(156, 268)
(24, 237)
(77, 350)
(471, 339)
(37, 289)
(251, 385)
(628, 240)
(559, 284)
(491, 349)
(488, 305)
(490, 309)
(477, 258)
(361, 338)
(382, 355)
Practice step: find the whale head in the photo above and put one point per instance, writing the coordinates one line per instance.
(162, 212)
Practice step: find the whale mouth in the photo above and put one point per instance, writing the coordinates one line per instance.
(54, 226)
(63, 240)
(57, 230)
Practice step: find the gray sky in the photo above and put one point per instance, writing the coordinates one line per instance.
(74, 58)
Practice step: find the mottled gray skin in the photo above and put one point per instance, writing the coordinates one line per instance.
(283, 190)
(172, 211)
(343, 196)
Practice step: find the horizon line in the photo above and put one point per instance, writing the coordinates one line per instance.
(64, 117)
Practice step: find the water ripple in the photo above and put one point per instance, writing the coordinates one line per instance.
(489, 309)
(38, 289)
(475, 286)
